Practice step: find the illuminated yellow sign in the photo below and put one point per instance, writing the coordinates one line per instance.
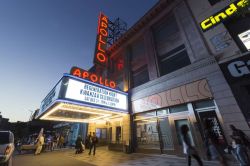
(223, 14)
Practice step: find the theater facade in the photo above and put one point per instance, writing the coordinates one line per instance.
(171, 68)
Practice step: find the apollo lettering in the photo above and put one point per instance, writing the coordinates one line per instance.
(239, 68)
(101, 43)
(75, 71)
(222, 15)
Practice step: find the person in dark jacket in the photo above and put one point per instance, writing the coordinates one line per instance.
(240, 136)
(87, 140)
(239, 152)
(78, 146)
(188, 149)
(92, 142)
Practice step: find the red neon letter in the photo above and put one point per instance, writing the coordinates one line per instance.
(101, 57)
(103, 32)
(85, 74)
(93, 78)
(100, 81)
(101, 40)
(99, 48)
(112, 84)
(104, 25)
(77, 72)
(105, 19)
(106, 82)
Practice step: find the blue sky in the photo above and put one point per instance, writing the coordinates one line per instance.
(42, 39)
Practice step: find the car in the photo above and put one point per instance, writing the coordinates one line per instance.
(6, 148)
(26, 147)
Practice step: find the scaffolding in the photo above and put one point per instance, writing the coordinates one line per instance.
(115, 30)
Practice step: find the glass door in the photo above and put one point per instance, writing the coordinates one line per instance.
(165, 134)
(176, 123)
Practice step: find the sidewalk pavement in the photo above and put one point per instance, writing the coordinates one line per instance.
(103, 157)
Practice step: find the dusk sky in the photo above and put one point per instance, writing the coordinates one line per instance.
(42, 39)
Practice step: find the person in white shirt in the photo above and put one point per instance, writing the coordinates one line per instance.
(39, 144)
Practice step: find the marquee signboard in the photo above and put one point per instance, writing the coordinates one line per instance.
(223, 14)
(72, 89)
(93, 94)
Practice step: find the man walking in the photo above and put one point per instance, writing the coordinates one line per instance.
(92, 142)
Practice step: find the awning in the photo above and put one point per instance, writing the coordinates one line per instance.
(78, 100)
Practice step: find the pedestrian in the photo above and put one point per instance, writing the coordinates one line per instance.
(240, 136)
(212, 143)
(39, 144)
(188, 149)
(50, 142)
(61, 141)
(87, 140)
(54, 145)
(239, 151)
(92, 142)
(79, 145)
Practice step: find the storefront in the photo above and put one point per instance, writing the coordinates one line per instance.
(160, 129)
(237, 74)
(158, 118)
(74, 99)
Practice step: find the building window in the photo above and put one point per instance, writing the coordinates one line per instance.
(120, 83)
(213, 2)
(204, 104)
(239, 28)
(171, 51)
(176, 109)
(137, 50)
(173, 60)
(139, 76)
(146, 131)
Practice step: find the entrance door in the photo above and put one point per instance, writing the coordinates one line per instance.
(165, 134)
(176, 123)
(214, 121)
(101, 133)
(110, 135)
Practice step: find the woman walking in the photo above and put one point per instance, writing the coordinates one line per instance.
(188, 149)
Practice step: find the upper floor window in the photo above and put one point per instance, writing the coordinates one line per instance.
(140, 76)
(212, 2)
(171, 51)
(239, 29)
(120, 83)
(137, 50)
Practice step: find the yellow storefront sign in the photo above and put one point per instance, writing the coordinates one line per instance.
(223, 14)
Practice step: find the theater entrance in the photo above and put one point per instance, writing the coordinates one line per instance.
(104, 109)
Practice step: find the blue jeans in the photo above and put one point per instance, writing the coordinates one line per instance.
(240, 154)
(90, 148)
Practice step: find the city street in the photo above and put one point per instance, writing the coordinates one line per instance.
(103, 157)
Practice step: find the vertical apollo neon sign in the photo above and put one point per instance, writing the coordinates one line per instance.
(101, 41)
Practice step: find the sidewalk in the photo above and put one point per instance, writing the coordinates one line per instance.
(111, 158)
(103, 157)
